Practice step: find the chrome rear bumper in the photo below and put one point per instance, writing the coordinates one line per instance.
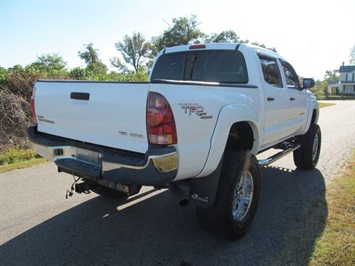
(157, 167)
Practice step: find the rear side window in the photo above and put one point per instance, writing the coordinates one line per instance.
(271, 71)
(210, 66)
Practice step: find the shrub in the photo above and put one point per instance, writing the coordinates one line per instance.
(15, 117)
(15, 154)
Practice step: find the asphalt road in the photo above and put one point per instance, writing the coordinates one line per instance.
(40, 227)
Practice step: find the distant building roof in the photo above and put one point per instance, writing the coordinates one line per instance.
(347, 69)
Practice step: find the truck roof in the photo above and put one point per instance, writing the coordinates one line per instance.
(217, 46)
(202, 46)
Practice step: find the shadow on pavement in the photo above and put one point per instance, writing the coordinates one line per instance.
(157, 231)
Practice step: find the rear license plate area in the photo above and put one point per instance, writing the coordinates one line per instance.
(88, 156)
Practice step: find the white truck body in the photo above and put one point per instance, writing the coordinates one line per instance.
(113, 115)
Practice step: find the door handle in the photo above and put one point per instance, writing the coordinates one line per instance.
(270, 99)
(292, 99)
(83, 96)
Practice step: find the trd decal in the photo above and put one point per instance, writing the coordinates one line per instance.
(191, 108)
(195, 108)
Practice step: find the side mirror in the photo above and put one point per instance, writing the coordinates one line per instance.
(308, 83)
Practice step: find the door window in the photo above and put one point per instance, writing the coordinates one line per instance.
(292, 80)
(270, 70)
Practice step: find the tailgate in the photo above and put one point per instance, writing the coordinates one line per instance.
(111, 114)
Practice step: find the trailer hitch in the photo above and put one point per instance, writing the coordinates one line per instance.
(83, 187)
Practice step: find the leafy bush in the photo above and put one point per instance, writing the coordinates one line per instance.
(15, 154)
(319, 89)
(319, 95)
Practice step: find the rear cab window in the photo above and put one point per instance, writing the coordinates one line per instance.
(222, 66)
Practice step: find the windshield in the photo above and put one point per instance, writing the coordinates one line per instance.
(210, 66)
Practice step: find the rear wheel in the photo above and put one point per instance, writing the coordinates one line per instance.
(306, 157)
(236, 199)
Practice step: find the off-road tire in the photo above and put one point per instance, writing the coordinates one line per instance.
(306, 157)
(220, 219)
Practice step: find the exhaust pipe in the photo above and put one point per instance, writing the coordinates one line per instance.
(179, 195)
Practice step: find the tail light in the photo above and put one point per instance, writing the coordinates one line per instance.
(33, 106)
(160, 120)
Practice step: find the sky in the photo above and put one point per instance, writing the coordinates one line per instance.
(313, 35)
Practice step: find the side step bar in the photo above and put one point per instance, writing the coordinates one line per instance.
(278, 155)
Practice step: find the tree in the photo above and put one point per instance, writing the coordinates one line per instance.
(49, 63)
(133, 49)
(224, 36)
(90, 55)
(117, 63)
(331, 76)
(79, 73)
(184, 30)
(352, 55)
(264, 46)
(91, 58)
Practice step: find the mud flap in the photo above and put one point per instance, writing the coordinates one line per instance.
(203, 190)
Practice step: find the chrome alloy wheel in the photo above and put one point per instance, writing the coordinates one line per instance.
(315, 147)
(243, 196)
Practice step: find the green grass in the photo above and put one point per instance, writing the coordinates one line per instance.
(339, 98)
(321, 105)
(325, 235)
(22, 164)
(337, 244)
(16, 158)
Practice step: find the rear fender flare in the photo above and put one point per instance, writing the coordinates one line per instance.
(229, 115)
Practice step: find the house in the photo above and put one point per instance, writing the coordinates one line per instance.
(347, 80)
(333, 88)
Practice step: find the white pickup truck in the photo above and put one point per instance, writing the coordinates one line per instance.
(199, 122)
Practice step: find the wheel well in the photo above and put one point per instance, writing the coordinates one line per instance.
(241, 137)
(314, 116)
